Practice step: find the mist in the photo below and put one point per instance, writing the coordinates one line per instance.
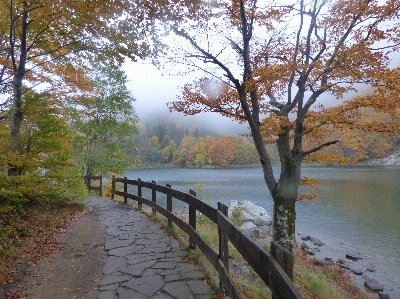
(153, 89)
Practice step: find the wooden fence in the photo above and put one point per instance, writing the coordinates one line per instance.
(262, 262)
(88, 183)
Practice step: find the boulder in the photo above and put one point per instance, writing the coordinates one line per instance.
(317, 242)
(357, 271)
(353, 256)
(372, 284)
(310, 251)
(383, 296)
(304, 246)
(248, 228)
(252, 213)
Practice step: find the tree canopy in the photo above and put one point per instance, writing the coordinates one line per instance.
(279, 67)
(105, 123)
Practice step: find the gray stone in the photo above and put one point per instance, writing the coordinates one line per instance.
(116, 243)
(317, 242)
(165, 265)
(199, 287)
(310, 251)
(357, 271)
(178, 253)
(124, 251)
(178, 289)
(185, 267)
(145, 285)
(154, 250)
(150, 272)
(304, 246)
(110, 287)
(172, 277)
(107, 295)
(113, 264)
(245, 270)
(143, 257)
(353, 256)
(112, 279)
(137, 269)
(161, 296)
(372, 284)
(129, 294)
(345, 266)
(192, 275)
(383, 296)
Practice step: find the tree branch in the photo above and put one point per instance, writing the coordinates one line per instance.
(318, 148)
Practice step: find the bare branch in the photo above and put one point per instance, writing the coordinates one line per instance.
(318, 148)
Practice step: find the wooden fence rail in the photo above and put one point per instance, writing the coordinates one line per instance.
(263, 263)
(88, 183)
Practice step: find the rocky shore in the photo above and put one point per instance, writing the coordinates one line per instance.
(257, 226)
(392, 160)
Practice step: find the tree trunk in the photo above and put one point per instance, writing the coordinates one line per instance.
(19, 73)
(284, 221)
(16, 119)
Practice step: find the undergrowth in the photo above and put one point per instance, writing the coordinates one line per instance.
(313, 279)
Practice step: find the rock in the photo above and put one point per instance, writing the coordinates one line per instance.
(310, 251)
(329, 259)
(357, 271)
(247, 217)
(252, 213)
(317, 242)
(383, 296)
(245, 270)
(256, 233)
(353, 256)
(371, 268)
(304, 246)
(345, 266)
(248, 228)
(372, 284)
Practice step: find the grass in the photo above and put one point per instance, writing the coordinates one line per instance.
(28, 233)
(313, 279)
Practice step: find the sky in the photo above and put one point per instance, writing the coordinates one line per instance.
(153, 90)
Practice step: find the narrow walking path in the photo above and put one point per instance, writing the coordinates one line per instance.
(143, 261)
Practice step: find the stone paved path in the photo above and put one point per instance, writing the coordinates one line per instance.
(143, 262)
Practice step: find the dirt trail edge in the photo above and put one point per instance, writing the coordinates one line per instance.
(75, 271)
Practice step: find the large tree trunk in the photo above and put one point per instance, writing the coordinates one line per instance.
(15, 123)
(19, 73)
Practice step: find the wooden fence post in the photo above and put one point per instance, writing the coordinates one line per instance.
(169, 204)
(139, 204)
(125, 190)
(101, 185)
(223, 239)
(192, 220)
(283, 257)
(153, 196)
(112, 186)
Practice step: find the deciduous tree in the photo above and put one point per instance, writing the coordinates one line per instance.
(275, 66)
(105, 124)
(43, 41)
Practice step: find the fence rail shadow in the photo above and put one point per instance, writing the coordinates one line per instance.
(262, 262)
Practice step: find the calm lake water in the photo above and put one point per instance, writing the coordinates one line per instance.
(358, 210)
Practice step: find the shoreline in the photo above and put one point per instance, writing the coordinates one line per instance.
(357, 265)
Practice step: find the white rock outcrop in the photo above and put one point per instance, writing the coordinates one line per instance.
(254, 216)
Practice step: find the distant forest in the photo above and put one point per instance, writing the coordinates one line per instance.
(183, 145)
(170, 142)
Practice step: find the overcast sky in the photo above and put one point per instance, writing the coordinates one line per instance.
(152, 90)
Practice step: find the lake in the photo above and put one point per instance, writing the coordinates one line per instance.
(358, 210)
